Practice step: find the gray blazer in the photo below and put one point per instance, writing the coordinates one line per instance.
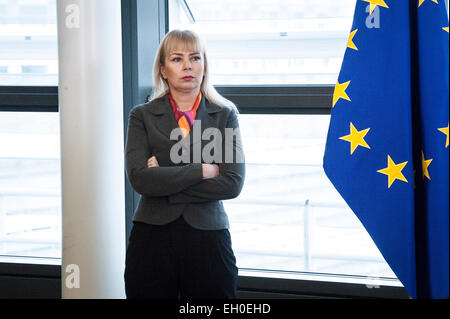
(175, 189)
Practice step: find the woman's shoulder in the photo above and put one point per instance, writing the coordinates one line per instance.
(155, 106)
(225, 108)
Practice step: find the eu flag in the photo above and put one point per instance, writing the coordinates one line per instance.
(387, 145)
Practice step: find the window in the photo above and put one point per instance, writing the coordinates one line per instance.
(30, 208)
(28, 43)
(269, 42)
(288, 218)
(30, 199)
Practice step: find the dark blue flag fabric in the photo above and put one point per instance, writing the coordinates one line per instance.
(387, 145)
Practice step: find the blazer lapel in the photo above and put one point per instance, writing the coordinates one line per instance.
(204, 118)
(165, 123)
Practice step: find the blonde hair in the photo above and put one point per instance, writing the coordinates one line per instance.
(184, 40)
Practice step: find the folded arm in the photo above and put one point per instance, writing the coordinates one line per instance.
(231, 177)
(153, 181)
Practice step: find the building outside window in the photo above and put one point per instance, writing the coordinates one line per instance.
(28, 43)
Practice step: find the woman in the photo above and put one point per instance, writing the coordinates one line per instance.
(180, 246)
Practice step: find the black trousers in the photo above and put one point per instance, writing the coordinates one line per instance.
(177, 261)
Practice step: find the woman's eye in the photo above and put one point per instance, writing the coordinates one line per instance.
(196, 58)
(176, 59)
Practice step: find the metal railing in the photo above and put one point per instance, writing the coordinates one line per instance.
(308, 232)
(30, 242)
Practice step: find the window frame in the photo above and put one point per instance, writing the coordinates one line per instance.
(29, 99)
(286, 99)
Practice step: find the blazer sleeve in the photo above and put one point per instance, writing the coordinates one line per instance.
(227, 185)
(153, 181)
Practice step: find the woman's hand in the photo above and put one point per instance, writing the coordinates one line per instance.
(152, 162)
(210, 170)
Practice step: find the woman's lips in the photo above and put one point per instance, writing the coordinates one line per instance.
(188, 78)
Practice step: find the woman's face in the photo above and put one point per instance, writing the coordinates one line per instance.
(183, 70)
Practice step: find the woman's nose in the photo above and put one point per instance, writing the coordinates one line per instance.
(187, 65)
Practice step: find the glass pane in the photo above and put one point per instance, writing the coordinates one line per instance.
(28, 43)
(289, 217)
(30, 185)
(269, 42)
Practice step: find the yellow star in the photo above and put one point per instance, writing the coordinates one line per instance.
(350, 43)
(422, 1)
(339, 92)
(425, 164)
(393, 171)
(445, 131)
(356, 138)
(445, 29)
(374, 3)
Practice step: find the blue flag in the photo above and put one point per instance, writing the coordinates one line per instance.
(387, 145)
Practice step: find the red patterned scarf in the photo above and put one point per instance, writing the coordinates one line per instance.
(185, 119)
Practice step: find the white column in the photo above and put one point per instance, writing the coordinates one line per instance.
(92, 151)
